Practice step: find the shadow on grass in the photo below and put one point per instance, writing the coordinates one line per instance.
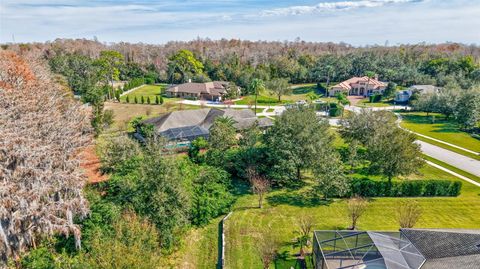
(442, 125)
(305, 89)
(301, 199)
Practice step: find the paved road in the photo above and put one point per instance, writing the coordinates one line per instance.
(454, 159)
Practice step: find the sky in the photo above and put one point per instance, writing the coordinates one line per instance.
(357, 22)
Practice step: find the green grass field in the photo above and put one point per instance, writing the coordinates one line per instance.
(283, 208)
(299, 92)
(151, 91)
(366, 103)
(442, 129)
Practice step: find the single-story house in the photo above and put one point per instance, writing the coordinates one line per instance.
(361, 86)
(405, 249)
(213, 91)
(404, 96)
(187, 125)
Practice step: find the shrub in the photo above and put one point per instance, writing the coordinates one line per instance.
(142, 100)
(413, 188)
(136, 82)
(335, 110)
(148, 99)
(157, 100)
(127, 99)
(161, 100)
(375, 98)
(136, 100)
(476, 136)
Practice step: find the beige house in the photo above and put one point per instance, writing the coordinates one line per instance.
(213, 91)
(361, 86)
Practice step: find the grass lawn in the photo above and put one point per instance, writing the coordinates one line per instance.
(283, 208)
(147, 91)
(299, 92)
(123, 112)
(452, 168)
(442, 129)
(366, 103)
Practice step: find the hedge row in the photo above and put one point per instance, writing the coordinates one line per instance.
(409, 188)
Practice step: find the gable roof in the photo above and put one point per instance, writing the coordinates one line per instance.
(347, 84)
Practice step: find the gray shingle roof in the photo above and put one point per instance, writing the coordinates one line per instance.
(444, 248)
(178, 123)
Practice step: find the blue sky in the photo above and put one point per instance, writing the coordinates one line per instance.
(358, 22)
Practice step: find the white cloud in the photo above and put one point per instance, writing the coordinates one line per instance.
(331, 6)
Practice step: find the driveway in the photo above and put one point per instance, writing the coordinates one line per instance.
(454, 159)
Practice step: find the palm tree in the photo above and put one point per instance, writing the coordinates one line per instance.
(257, 85)
(369, 75)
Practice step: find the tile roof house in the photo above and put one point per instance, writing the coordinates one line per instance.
(187, 125)
(213, 91)
(406, 249)
(362, 86)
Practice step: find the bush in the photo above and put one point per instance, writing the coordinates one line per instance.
(335, 110)
(127, 99)
(375, 98)
(476, 136)
(413, 188)
(136, 82)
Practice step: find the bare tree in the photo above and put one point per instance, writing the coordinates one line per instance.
(267, 246)
(305, 226)
(260, 185)
(408, 213)
(356, 207)
(43, 132)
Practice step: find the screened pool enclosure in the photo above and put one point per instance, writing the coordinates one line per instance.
(364, 250)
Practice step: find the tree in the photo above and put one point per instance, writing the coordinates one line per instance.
(148, 100)
(356, 206)
(110, 62)
(267, 246)
(194, 149)
(133, 243)
(305, 227)
(257, 86)
(142, 99)
(42, 133)
(390, 90)
(232, 91)
(408, 213)
(117, 95)
(259, 184)
(279, 87)
(330, 177)
(157, 100)
(211, 197)
(128, 99)
(296, 141)
(427, 102)
(183, 66)
(467, 112)
(222, 134)
(115, 150)
(361, 126)
(161, 100)
(447, 101)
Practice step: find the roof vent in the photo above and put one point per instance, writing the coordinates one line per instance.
(478, 246)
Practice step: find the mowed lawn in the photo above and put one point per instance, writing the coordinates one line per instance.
(299, 92)
(151, 91)
(283, 209)
(366, 103)
(441, 129)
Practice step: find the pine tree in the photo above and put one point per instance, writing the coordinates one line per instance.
(161, 100)
(157, 100)
(142, 100)
(136, 100)
(148, 99)
(128, 99)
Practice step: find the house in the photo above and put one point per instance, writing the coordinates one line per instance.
(404, 96)
(405, 249)
(361, 86)
(187, 125)
(213, 91)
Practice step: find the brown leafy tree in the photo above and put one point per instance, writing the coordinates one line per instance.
(408, 213)
(267, 245)
(43, 132)
(356, 207)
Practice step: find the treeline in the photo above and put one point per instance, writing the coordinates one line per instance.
(241, 61)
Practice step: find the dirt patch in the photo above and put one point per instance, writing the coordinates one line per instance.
(91, 166)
